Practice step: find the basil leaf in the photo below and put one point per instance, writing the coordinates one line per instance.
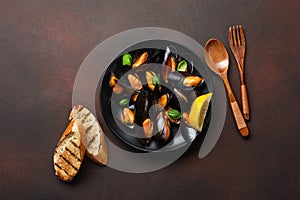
(127, 59)
(174, 114)
(155, 80)
(124, 102)
(182, 66)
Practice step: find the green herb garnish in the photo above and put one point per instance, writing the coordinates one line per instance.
(182, 66)
(155, 80)
(124, 102)
(127, 59)
(174, 114)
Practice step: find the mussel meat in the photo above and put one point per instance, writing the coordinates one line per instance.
(140, 60)
(163, 101)
(149, 77)
(113, 80)
(134, 97)
(135, 81)
(192, 81)
(113, 83)
(171, 63)
(127, 116)
(148, 129)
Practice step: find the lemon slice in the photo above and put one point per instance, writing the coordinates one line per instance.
(198, 111)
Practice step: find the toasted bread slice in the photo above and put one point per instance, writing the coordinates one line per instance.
(95, 142)
(69, 151)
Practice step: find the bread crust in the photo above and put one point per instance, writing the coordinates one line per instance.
(95, 140)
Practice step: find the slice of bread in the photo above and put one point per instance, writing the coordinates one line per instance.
(95, 141)
(69, 151)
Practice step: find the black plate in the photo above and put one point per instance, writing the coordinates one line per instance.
(123, 132)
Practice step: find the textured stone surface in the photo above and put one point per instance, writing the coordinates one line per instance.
(43, 43)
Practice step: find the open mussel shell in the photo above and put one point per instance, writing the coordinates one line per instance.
(125, 86)
(192, 81)
(113, 83)
(148, 129)
(134, 97)
(127, 117)
(163, 101)
(171, 63)
(185, 81)
(143, 103)
(135, 81)
(163, 127)
(164, 98)
(141, 59)
(149, 77)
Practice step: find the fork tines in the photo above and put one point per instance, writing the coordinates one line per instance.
(236, 36)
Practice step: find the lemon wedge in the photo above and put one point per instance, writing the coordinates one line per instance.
(198, 111)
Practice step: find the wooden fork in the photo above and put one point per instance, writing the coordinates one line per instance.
(237, 45)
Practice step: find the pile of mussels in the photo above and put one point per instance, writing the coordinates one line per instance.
(155, 98)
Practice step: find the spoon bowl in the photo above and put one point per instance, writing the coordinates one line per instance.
(217, 56)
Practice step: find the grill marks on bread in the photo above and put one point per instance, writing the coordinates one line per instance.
(95, 141)
(69, 152)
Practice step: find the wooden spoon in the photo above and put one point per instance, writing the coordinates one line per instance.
(217, 59)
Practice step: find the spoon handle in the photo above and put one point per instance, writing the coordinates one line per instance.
(239, 119)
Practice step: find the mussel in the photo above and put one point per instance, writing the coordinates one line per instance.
(163, 101)
(140, 60)
(150, 76)
(134, 97)
(163, 126)
(192, 81)
(186, 80)
(135, 81)
(148, 129)
(113, 83)
(113, 80)
(170, 66)
(142, 105)
(127, 116)
(171, 63)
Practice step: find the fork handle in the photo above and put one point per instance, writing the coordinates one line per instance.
(245, 102)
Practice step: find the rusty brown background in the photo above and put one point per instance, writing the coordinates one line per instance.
(43, 43)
